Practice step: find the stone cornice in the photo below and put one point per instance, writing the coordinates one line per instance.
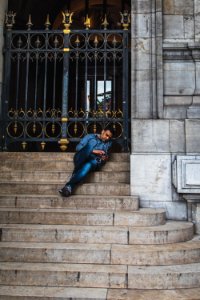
(181, 51)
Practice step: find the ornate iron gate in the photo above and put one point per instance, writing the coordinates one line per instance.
(62, 84)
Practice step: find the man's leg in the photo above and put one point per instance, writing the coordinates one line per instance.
(78, 176)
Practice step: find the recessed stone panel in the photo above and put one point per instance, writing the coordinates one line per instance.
(179, 78)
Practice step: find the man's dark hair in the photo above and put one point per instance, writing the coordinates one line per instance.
(110, 128)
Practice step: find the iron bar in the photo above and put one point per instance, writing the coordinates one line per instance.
(36, 81)
(17, 81)
(77, 77)
(54, 79)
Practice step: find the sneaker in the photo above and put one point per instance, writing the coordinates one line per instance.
(65, 191)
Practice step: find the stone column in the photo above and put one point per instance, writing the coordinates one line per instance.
(3, 9)
(147, 79)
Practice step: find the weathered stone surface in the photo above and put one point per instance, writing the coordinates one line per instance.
(55, 293)
(71, 275)
(151, 176)
(62, 177)
(177, 7)
(173, 27)
(55, 253)
(73, 202)
(160, 255)
(179, 294)
(38, 188)
(175, 112)
(171, 232)
(179, 78)
(192, 136)
(175, 210)
(196, 216)
(178, 100)
(177, 136)
(66, 234)
(164, 277)
(141, 218)
(150, 136)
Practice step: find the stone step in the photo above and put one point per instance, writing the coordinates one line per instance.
(64, 234)
(55, 253)
(56, 293)
(137, 255)
(49, 165)
(174, 232)
(61, 177)
(164, 277)
(65, 275)
(39, 188)
(171, 232)
(143, 217)
(73, 202)
(68, 293)
(177, 294)
(157, 255)
(56, 156)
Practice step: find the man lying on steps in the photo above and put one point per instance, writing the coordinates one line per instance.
(92, 153)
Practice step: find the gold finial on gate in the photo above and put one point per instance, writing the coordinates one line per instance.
(10, 19)
(87, 22)
(105, 22)
(29, 23)
(67, 20)
(47, 23)
(63, 143)
(43, 144)
(24, 145)
(125, 19)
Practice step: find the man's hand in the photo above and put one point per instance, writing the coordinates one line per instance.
(98, 152)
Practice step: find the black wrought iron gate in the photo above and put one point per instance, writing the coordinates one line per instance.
(62, 84)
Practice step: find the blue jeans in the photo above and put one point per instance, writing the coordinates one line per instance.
(84, 162)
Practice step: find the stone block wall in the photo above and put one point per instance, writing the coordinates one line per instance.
(166, 110)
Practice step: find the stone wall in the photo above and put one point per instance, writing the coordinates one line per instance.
(165, 117)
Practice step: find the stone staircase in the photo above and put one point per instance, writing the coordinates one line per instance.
(96, 244)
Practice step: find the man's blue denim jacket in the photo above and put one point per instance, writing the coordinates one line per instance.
(98, 144)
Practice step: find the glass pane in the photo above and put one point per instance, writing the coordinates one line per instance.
(104, 94)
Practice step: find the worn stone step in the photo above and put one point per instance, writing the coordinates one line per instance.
(64, 234)
(56, 156)
(68, 293)
(48, 165)
(101, 189)
(56, 293)
(137, 255)
(65, 275)
(177, 294)
(55, 252)
(143, 217)
(157, 255)
(171, 232)
(73, 202)
(164, 277)
(61, 177)
(178, 232)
